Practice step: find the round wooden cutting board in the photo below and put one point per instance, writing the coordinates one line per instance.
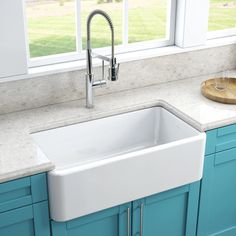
(227, 96)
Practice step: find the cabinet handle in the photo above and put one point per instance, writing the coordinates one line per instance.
(141, 219)
(128, 221)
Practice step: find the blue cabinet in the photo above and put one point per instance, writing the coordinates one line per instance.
(171, 213)
(177, 212)
(115, 221)
(24, 207)
(152, 216)
(217, 212)
(217, 209)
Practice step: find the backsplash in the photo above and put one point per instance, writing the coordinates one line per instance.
(44, 90)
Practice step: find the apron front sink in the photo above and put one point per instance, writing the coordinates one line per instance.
(117, 159)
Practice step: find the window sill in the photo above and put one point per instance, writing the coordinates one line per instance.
(122, 58)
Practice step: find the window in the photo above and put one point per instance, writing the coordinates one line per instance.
(147, 20)
(222, 18)
(100, 32)
(57, 28)
(51, 27)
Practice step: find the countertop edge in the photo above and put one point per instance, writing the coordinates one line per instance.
(26, 172)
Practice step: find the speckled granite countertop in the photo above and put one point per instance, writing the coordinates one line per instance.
(19, 155)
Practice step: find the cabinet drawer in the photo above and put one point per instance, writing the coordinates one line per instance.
(225, 156)
(22, 192)
(221, 139)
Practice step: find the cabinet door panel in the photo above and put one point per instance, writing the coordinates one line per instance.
(111, 222)
(217, 212)
(32, 220)
(102, 227)
(173, 210)
(25, 228)
(170, 213)
(17, 221)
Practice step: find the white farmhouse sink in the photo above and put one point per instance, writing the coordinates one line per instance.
(114, 160)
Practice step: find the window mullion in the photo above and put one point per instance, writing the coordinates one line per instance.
(171, 19)
(125, 27)
(191, 23)
(78, 26)
(26, 33)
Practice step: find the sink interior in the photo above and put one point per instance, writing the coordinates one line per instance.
(111, 136)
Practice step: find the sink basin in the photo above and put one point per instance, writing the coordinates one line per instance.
(114, 160)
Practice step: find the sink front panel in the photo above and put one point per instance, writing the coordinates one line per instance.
(82, 190)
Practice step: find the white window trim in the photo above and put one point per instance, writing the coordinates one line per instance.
(47, 70)
(191, 23)
(221, 33)
(74, 56)
(78, 26)
(13, 58)
(125, 22)
(123, 48)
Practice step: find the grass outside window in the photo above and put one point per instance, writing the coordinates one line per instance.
(52, 23)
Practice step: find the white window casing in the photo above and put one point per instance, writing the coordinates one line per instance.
(221, 33)
(78, 26)
(13, 52)
(125, 25)
(191, 22)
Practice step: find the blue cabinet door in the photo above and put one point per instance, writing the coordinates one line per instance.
(115, 221)
(32, 220)
(171, 213)
(217, 211)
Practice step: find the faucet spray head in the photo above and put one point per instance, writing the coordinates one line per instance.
(113, 70)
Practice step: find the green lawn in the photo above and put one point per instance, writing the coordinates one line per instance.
(51, 27)
(222, 14)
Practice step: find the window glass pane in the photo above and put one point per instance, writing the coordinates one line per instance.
(222, 14)
(147, 20)
(100, 32)
(51, 26)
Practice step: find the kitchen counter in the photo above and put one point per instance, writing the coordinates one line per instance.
(19, 156)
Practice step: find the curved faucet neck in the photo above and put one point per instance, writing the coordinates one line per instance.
(108, 19)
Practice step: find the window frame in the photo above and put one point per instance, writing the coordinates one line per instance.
(125, 47)
(221, 33)
(183, 16)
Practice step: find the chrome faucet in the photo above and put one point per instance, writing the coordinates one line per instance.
(113, 66)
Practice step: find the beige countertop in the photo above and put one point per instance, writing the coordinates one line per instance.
(19, 155)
